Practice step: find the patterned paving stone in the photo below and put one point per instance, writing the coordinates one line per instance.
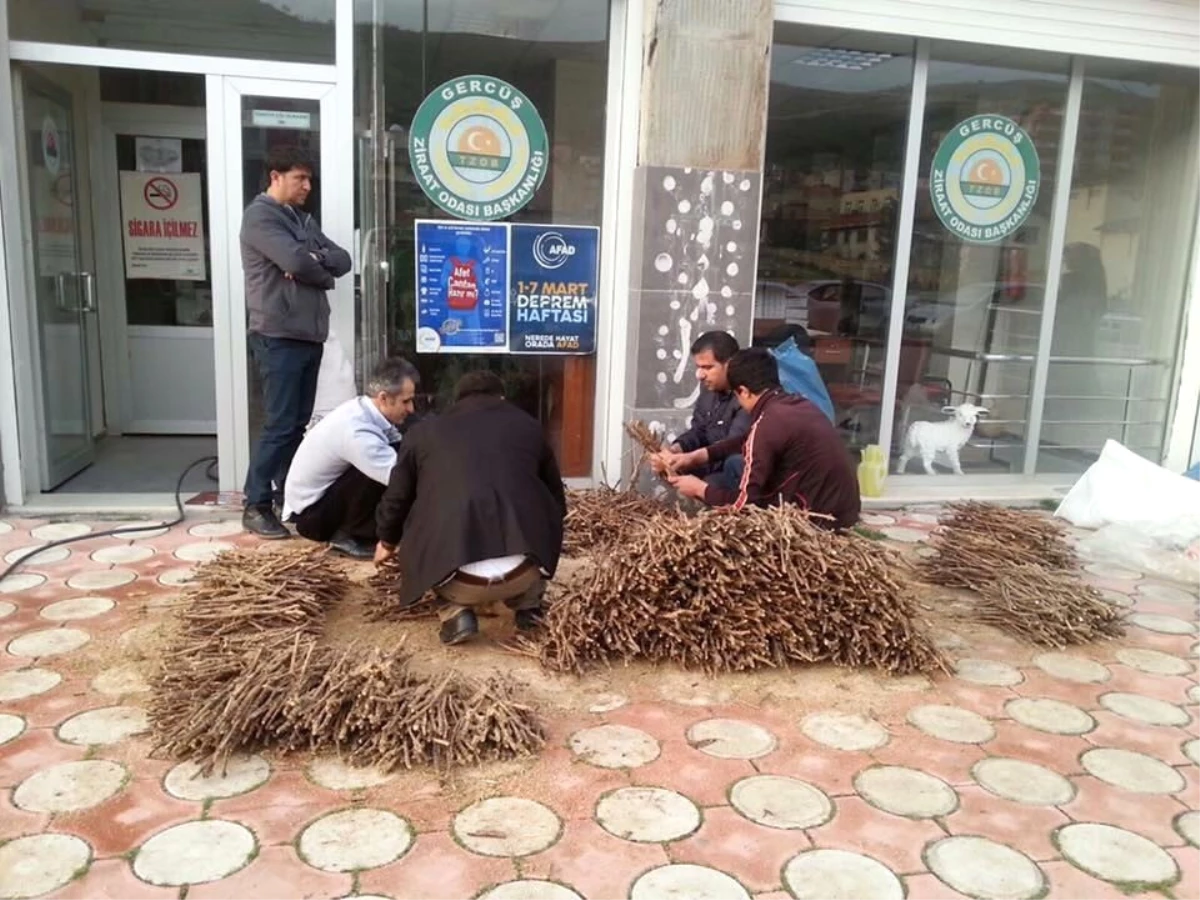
(1113, 573)
(978, 867)
(1191, 749)
(1153, 662)
(200, 553)
(25, 683)
(1050, 716)
(7, 609)
(527, 890)
(242, 775)
(840, 875)
(614, 747)
(123, 555)
(120, 681)
(906, 535)
(905, 792)
(219, 529)
(176, 577)
(60, 531)
(48, 642)
(109, 725)
(1116, 598)
(69, 787)
(1188, 826)
(777, 801)
(1161, 624)
(687, 881)
(844, 731)
(603, 703)
(101, 580)
(22, 581)
(1072, 668)
(142, 531)
(11, 727)
(337, 775)
(1165, 593)
(37, 864)
(731, 739)
(195, 853)
(1132, 771)
(1023, 782)
(1116, 855)
(506, 826)
(988, 672)
(35, 555)
(354, 839)
(1193, 693)
(952, 723)
(1146, 710)
(877, 520)
(5, 528)
(647, 815)
(77, 608)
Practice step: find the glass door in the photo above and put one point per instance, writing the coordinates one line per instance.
(64, 295)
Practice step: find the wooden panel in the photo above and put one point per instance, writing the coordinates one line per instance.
(578, 402)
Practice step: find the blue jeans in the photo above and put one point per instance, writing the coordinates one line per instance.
(288, 370)
(730, 474)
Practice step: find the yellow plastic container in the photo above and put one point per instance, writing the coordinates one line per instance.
(872, 471)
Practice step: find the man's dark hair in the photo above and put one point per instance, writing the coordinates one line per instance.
(389, 376)
(481, 381)
(754, 369)
(721, 344)
(284, 159)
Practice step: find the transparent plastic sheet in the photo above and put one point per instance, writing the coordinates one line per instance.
(335, 383)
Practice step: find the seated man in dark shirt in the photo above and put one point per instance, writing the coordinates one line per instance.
(793, 453)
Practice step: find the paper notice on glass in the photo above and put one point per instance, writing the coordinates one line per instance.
(162, 220)
(159, 154)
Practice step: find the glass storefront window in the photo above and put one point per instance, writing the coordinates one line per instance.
(253, 29)
(980, 253)
(556, 52)
(1125, 265)
(837, 120)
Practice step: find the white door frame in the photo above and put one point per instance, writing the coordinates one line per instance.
(336, 215)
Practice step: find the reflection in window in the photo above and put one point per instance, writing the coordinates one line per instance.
(836, 128)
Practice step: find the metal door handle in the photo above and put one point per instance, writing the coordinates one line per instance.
(89, 292)
(60, 292)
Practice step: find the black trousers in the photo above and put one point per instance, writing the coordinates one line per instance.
(347, 507)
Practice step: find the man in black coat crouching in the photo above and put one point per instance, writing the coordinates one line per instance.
(474, 510)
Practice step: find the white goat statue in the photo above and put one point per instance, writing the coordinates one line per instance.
(928, 439)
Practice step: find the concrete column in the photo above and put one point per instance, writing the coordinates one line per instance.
(697, 193)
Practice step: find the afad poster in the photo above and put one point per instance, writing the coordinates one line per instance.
(553, 283)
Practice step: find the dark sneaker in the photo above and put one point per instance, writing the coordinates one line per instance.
(530, 619)
(262, 521)
(348, 546)
(461, 628)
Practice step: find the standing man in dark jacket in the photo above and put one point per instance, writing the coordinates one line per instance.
(474, 510)
(717, 415)
(289, 265)
(793, 453)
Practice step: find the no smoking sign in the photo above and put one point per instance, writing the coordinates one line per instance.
(161, 194)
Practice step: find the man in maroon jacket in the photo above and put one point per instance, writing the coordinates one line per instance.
(793, 454)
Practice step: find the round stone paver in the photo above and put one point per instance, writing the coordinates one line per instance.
(199, 553)
(1147, 710)
(142, 531)
(777, 801)
(77, 608)
(110, 725)
(7, 609)
(840, 875)
(1050, 716)
(1072, 668)
(194, 853)
(876, 520)
(527, 890)
(338, 775)
(36, 555)
(104, 580)
(1113, 573)
(5, 528)
(1024, 782)
(123, 555)
(61, 531)
(1153, 662)
(354, 839)
(905, 792)
(1188, 826)
(22, 581)
(1116, 598)
(687, 882)
(603, 703)
(1193, 693)
(1116, 855)
(1132, 771)
(69, 787)
(979, 867)
(48, 642)
(40, 863)
(176, 577)
(11, 727)
(219, 529)
(614, 747)
(120, 681)
(1191, 749)
(1165, 593)
(906, 535)
(844, 731)
(731, 739)
(952, 723)
(26, 683)
(506, 826)
(1161, 624)
(647, 815)
(241, 775)
(988, 672)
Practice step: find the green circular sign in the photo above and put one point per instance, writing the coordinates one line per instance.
(478, 148)
(985, 179)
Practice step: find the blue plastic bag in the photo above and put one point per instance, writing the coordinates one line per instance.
(799, 375)
(1193, 473)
